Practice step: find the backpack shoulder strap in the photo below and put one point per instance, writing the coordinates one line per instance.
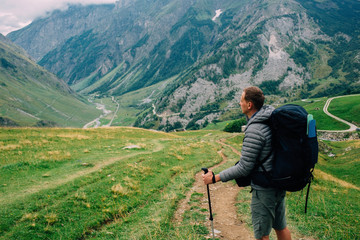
(260, 164)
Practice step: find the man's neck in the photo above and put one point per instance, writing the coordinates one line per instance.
(251, 113)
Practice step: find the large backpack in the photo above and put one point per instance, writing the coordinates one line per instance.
(295, 149)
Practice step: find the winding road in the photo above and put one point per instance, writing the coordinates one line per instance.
(325, 109)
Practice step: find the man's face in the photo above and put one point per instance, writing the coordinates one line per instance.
(244, 104)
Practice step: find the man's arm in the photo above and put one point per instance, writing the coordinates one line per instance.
(252, 147)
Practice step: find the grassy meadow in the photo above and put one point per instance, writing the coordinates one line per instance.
(347, 107)
(75, 184)
(126, 183)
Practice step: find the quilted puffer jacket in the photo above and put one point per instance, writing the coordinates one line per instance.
(256, 145)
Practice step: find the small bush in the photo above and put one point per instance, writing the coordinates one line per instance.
(235, 126)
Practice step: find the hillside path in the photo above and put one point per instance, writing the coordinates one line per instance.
(223, 197)
(325, 109)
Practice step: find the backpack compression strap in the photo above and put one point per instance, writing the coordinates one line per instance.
(308, 190)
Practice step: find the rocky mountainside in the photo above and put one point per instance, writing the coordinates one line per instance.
(206, 51)
(31, 96)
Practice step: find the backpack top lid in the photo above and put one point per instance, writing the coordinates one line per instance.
(289, 119)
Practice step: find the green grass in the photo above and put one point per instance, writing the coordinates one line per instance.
(42, 103)
(217, 126)
(74, 183)
(83, 184)
(342, 160)
(28, 94)
(347, 108)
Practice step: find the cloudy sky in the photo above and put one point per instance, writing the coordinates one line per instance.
(15, 14)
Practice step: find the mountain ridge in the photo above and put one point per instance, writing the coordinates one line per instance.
(291, 49)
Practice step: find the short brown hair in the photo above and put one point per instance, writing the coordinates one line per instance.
(255, 95)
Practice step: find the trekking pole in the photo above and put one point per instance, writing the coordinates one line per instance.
(211, 216)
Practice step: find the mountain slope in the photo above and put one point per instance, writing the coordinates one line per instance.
(29, 95)
(210, 49)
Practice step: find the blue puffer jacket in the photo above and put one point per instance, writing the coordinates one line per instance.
(256, 144)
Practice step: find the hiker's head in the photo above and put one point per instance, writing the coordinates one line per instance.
(252, 99)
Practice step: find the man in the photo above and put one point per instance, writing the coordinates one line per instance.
(267, 204)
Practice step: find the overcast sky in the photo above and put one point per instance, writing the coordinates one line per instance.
(15, 14)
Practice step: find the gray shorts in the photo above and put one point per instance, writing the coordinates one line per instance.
(267, 211)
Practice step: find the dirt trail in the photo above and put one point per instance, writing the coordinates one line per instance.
(223, 199)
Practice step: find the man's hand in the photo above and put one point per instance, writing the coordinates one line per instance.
(208, 177)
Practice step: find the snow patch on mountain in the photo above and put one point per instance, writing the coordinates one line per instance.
(217, 14)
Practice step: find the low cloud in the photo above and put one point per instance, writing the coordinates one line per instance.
(17, 14)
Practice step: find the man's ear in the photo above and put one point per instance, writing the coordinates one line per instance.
(250, 105)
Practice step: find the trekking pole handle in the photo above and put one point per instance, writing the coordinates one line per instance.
(205, 170)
